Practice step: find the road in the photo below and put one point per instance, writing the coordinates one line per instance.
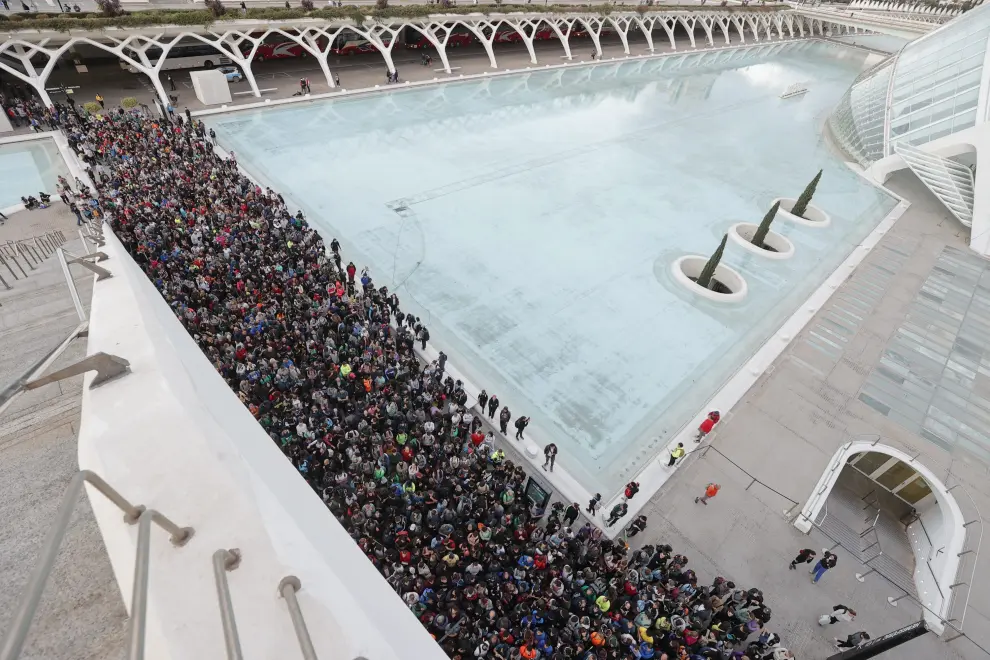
(52, 6)
(280, 78)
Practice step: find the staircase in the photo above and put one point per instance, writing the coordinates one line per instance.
(948, 180)
(880, 540)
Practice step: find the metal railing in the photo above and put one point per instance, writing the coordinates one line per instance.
(28, 251)
(27, 607)
(107, 366)
(287, 588)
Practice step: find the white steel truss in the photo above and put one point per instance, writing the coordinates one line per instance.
(240, 43)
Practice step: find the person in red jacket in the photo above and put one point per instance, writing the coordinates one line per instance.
(631, 489)
(707, 425)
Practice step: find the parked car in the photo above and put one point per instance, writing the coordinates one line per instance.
(232, 73)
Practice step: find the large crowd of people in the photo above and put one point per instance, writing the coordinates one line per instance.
(324, 359)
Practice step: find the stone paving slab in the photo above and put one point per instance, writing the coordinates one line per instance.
(788, 426)
(81, 614)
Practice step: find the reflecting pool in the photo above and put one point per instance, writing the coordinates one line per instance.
(531, 221)
(27, 168)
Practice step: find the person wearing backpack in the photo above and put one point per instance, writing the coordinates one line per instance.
(839, 613)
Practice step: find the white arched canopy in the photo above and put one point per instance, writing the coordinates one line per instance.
(950, 534)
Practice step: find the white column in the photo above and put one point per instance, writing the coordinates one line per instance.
(308, 40)
(430, 31)
(621, 26)
(706, 24)
(526, 36)
(22, 52)
(375, 35)
(646, 27)
(723, 23)
(669, 29)
(689, 26)
(563, 36)
(478, 29)
(754, 27)
(594, 32)
(740, 27)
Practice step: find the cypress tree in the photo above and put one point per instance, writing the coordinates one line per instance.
(705, 279)
(801, 205)
(764, 228)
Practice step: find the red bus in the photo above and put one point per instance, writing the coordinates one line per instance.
(461, 36)
(349, 42)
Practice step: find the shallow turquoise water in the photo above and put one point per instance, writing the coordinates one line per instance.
(27, 168)
(531, 221)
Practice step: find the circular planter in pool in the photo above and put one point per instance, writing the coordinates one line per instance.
(742, 234)
(732, 287)
(813, 216)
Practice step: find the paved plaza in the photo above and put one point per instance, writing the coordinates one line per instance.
(82, 615)
(279, 79)
(789, 425)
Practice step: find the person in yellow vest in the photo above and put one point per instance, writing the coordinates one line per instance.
(99, 99)
(676, 453)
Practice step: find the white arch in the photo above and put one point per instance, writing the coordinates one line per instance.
(952, 535)
(478, 28)
(594, 27)
(564, 37)
(689, 27)
(375, 33)
(432, 31)
(621, 26)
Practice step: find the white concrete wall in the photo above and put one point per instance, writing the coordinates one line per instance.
(951, 535)
(930, 555)
(171, 435)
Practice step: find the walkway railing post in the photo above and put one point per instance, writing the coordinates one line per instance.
(223, 561)
(287, 588)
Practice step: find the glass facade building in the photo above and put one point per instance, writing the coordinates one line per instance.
(935, 86)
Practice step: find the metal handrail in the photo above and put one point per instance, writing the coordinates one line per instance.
(27, 607)
(287, 588)
(9, 393)
(138, 622)
(223, 561)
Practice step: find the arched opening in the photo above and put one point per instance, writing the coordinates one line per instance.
(891, 513)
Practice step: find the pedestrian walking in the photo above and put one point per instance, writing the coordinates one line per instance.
(839, 613)
(806, 556)
(711, 490)
(482, 400)
(171, 83)
(99, 99)
(676, 453)
(636, 526)
(521, 426)
(551, 455)
(593, 504)
(503, 420)
(631, 489)
(707, 425)
(188, 116)
(571, 514)
(336, 80)
(213, 136)
(853, 640)
(827, 561)
(492, 406)
(424, 336)
(617, 512)
(75, 212)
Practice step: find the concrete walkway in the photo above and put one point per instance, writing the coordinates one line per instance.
(81, 615)
(783, 434)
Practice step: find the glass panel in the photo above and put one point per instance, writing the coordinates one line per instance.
(895, 475)
(871, 461)
(915, 491)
